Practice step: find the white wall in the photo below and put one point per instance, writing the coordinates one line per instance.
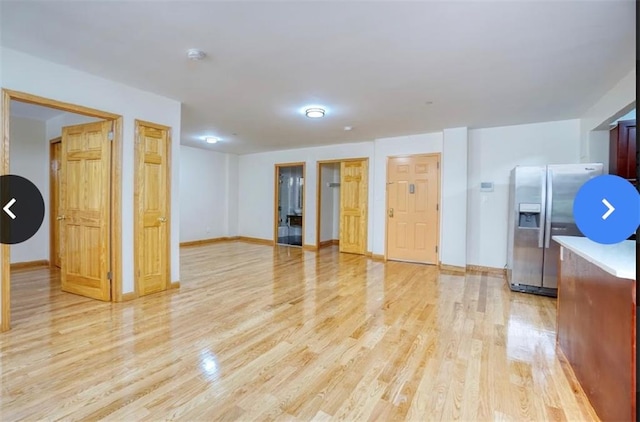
(22, 72)
(599, 148)
(614, 104)
(232, 194)
(257, 184)
(493, 152)
(30, 159)
(55, 124)
(629, 116)
(204, 204)
(453, 247)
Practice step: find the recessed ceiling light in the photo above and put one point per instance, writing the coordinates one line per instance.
(211, 139)
(314, 112)
(348, 128)
(195, 54)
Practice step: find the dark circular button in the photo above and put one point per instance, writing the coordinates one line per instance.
(21, 209)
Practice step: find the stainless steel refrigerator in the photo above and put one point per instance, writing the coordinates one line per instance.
(541, 206)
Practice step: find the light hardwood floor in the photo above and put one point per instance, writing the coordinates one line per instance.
(266, 333)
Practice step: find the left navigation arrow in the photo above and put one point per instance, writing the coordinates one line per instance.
(8, 211)
(21, 209)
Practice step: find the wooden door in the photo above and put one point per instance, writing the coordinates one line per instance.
(413, 185)
(622, 150)
(85, 199)
(353, 206)
(55, 187)
(152, 208)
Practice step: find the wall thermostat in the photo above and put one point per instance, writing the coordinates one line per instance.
(486, 186)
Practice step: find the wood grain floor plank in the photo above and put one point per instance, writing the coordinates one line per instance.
(263, 333)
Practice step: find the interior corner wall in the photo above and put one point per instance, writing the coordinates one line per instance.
(453, 246)
(599, 148)
(233, 194)
(203, 194)
(616, 102)
(30, 159)
(492, 153)
(26, 73)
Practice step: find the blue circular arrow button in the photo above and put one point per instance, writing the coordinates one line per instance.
(607, 209)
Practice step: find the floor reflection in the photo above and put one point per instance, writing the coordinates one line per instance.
(263, 333)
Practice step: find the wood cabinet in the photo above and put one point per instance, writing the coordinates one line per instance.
(596, 331)
(622, 150)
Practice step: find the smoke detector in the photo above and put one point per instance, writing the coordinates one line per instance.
(195, 54)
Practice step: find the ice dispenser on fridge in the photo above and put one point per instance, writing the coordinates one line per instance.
(529, 216)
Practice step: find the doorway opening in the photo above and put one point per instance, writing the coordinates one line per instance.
(342, 204)
(328, 202)
(72, 154)
(289, 204)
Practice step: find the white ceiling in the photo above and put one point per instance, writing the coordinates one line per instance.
(373, 64)
(32, 111)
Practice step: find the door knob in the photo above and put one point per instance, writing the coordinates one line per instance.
(162, 219)
(390, 212)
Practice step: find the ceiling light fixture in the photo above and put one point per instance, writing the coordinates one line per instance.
(348, 128)
(195, 54)
(314, 112)
(211, 139)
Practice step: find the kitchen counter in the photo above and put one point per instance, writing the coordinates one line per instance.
(618, 259)
(596, 322)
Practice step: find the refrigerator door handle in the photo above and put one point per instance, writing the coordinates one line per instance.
(547, 221)
(543, 209)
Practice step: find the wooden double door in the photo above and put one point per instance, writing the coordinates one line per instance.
(80, 191)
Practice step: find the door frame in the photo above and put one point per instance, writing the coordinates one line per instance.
(115, 243)
(52, 205)
(137, 222)
(318, 193)
(386, 200)
(276, 196)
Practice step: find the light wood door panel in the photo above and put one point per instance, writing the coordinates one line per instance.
(152, 204)
(353, 206)
(412, 208)
(85, 204)
(55, 212)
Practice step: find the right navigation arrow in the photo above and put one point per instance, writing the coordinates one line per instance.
(610, 209)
